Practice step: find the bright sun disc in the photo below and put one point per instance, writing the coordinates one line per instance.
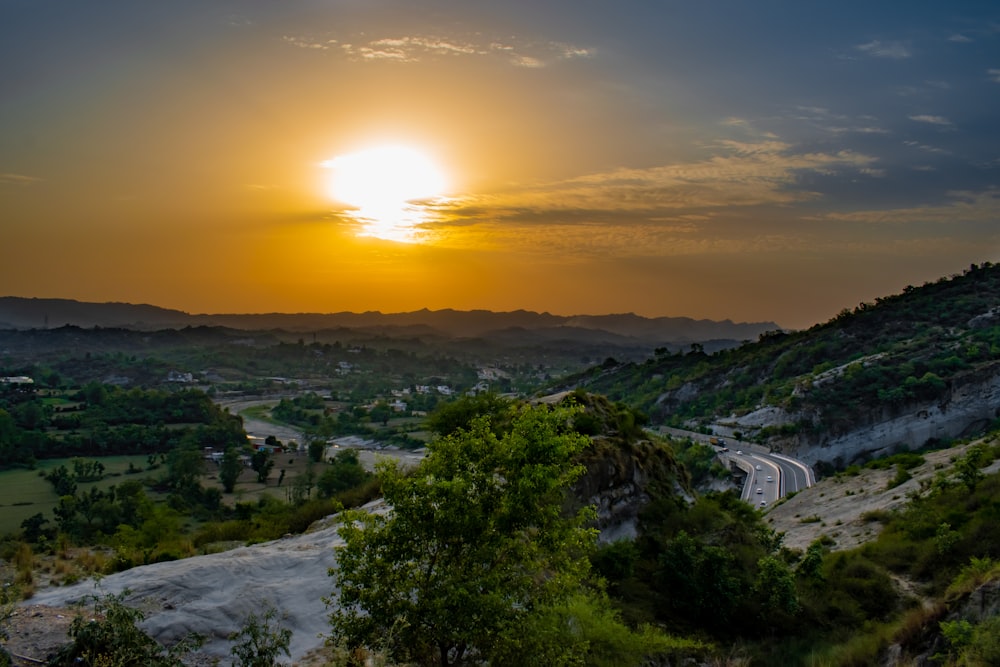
(384, 177)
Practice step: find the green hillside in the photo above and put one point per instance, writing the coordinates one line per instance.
(881, 356)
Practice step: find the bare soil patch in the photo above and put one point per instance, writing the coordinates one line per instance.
(843, 507)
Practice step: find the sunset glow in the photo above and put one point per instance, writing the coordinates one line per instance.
(720, 160)
(384, 176)
(386, 186)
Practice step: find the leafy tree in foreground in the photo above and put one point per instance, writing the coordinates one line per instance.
(476, 552)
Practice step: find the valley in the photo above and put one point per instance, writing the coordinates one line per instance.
(871, 438)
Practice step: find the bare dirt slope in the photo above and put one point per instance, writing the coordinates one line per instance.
(837, 506)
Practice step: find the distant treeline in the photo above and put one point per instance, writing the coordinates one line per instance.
(110, 421)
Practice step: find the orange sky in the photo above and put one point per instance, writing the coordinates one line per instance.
(660, 159)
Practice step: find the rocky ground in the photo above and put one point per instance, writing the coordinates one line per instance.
(210, 595)
(36, 631)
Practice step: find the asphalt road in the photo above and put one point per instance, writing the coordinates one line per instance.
(787, 475)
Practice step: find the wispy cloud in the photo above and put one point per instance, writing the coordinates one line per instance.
(939, 121)
(994, 75)
(960, 39)
(964, 207)
(739, 174)
(879, 49)
(926, 148)
(418, 48)
(834, 123)
(19, 180)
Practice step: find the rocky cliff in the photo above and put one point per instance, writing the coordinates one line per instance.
(969, 402)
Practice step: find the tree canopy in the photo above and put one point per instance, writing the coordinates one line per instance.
(477, 549)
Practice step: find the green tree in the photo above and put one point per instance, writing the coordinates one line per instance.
(775, 586)
(458, 414)
(62, 480)
(316, 449)
(345, 472)
(380, 412)
(261, 462)
(260, 640)
(31, 527)
(184, 467)
(476, 551)
(968, 467)
(230, 468)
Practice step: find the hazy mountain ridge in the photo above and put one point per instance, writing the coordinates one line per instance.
(35, 313)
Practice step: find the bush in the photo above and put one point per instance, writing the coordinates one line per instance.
(261, 640)
(110, 638)
(902, 476)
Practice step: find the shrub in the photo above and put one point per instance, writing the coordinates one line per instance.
(260, 640)
(111, 638)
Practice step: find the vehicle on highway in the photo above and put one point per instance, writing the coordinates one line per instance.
(763, 503)
(759, 490)
(770, 479)
(739, 452)
(759, 468)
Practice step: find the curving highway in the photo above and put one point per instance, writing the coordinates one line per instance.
(773, 475)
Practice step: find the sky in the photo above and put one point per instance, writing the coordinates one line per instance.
(763, 160)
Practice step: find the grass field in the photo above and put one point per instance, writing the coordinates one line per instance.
(24, 493)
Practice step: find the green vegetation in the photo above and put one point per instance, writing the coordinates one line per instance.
(112, 638)
(711, 568)
(479, 563)
(109, 636)
(882, 356)
(488, 556)
(159, 504)
(454, 570)
(261, 640)
(108, 421)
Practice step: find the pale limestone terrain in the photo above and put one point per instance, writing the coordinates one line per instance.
(836, 506)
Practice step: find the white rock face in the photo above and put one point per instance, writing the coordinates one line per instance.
(212, 595)
(972, 401)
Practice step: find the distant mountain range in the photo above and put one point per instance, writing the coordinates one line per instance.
(30, 313)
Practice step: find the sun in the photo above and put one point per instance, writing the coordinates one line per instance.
(390, 190)
(384, 178)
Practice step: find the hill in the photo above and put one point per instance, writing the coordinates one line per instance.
(907, 371)
(24, 313)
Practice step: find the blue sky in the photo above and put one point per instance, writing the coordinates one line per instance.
(755, 161)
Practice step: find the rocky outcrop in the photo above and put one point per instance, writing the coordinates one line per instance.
(620, 479)
(926, 646)
(212, 595)
(969, 403)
